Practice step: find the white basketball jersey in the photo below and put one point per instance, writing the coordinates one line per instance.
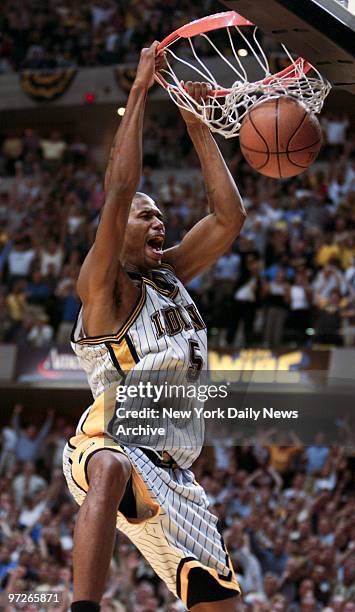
(164, 332)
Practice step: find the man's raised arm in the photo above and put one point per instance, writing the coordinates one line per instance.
(100, 269)
(212, 236)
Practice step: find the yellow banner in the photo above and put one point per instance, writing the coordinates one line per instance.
(46, 85)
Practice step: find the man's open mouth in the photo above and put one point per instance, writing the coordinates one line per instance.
(156, 244)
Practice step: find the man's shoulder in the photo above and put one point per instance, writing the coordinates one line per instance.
(38, 480)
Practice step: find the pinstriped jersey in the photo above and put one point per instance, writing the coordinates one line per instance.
(164, 332)
(159, 334)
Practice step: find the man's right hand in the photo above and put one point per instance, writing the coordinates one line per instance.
(149, 62)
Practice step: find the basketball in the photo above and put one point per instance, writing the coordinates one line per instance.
(280, 138)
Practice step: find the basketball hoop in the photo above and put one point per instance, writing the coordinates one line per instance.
(226, 106)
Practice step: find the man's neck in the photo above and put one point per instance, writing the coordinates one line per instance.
(133, 269)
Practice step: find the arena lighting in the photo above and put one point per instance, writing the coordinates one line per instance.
(121, 111)
(90, 97)
(242, 52)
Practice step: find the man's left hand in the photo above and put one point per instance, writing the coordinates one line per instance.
(199, 92)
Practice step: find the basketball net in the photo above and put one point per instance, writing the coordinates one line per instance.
(225, 107)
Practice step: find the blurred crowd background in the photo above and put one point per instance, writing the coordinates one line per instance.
(48, 33)
(286, 514)
(286, 511)
(45, 34)
(289, 279)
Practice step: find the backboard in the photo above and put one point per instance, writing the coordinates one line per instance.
(321, 31)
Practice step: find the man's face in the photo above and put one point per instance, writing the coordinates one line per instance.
(306, 586)
(270, 585)
(334, 298)
(144, 591)
(28, 468)
(31, 431)
(145, 233)
(278, 546)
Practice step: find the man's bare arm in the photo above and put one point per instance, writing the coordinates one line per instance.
(212, 236)
(102, 264)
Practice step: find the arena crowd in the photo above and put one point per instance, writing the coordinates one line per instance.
(288, 280)
(47, 34)
(286, 514)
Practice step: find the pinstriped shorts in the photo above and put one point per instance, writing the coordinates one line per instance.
(172, 526)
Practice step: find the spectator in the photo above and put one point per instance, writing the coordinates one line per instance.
(225, 273)
(348, 329)
(325, 532)
(66, 291)
(327, 251)
(326, 479)
(271, 559)
(347, 250)
(316, 454)
(53, 148)
(20, 259)
(245, 302)
(275, 293)
(101, 12)
(17, 309)
(335, 127)
(40, 334)
(338, 188)
(57, 441)
(6, 564)
(346, 588)
(328, 279)
(299, 296)
(37, 290)
(5, 319)
(329, 321)
(30, 441)
(33, 504)
(8, 444)
(12, 150)
(51, 255)
(27, 484)
(169, 191)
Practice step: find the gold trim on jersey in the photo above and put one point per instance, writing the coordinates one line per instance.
(166, 265)
(125, 327)
(100, 413)
(123, 355)
(229, 582)
(170, 294)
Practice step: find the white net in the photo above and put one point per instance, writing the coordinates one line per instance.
(224, 111)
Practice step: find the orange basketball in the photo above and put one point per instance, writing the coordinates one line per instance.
(280, 137)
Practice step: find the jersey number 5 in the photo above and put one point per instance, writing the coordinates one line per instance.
(196, 361)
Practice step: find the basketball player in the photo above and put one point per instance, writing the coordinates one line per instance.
(136, 314)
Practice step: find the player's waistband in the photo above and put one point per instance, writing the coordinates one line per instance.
(160, 459)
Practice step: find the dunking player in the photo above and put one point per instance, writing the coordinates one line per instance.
(136, 314)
